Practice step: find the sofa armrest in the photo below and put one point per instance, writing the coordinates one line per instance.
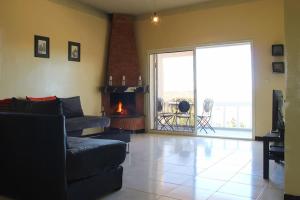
(32, 155)
(80, 123)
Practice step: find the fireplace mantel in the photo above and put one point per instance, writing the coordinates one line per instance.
(124, 89)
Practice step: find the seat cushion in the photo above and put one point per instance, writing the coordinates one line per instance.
(87, 157)
(114, 135)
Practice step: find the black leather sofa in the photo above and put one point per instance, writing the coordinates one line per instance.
(39, 161)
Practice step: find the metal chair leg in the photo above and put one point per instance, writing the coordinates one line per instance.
(127, 147)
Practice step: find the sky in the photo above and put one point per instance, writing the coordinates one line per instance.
(223, 73)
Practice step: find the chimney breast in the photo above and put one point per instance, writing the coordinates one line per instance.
(122, 55)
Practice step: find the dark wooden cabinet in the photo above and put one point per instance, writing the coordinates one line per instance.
(273, 149)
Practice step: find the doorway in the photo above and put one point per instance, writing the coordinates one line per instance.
(173, 89)
(182, 82)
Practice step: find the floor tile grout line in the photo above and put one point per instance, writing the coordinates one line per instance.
(228, 181)
(235, 195)
(214, 164)
(225, 182)
(170, 197)
(143, 191)
(155, 180)
(260, 194)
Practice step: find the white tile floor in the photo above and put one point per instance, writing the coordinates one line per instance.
(162, 167)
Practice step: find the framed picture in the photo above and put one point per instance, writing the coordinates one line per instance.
(277, 50)
(41, 46)
(74, 51)
(278, 67)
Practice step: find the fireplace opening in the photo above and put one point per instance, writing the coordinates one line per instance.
(122, 104)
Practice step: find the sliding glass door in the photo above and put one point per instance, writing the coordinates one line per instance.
(224, 90)
(205, 91)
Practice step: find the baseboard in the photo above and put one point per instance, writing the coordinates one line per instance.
(139, 131)
(291, 197)
(128, 131)
(259, 138)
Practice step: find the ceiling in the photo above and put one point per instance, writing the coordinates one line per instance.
(138, 7)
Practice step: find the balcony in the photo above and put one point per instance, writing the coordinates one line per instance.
(231, 120)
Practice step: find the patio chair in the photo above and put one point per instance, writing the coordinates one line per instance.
(164, 119)
(183, 112)
(204, 119)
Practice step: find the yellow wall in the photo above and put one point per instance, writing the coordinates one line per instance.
(292, 136)
(260, 21)
(23, 74)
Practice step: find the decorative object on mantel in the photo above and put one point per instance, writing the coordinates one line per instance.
(41, 46)
(278, 67)
(110, 81)
(277, 50)
(140, 81)
(122, 89)
(74, 51)
(123, 80)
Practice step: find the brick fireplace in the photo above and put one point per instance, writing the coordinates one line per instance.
(123, 95)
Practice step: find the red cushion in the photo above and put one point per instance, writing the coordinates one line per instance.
(5, 105)
(50, 98)
(5, 101)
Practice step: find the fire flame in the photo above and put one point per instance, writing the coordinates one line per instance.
(119, 107)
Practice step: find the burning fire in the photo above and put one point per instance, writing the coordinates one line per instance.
(120, 109)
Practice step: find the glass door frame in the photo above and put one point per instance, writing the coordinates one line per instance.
(153, 83)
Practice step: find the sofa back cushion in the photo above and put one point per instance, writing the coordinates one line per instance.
(19, 105)
(72, 107)
(53, 107)
(5, 105)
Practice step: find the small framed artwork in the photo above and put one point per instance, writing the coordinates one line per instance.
(74, 51)
(41, 46)
(277, 50)
(278, 67)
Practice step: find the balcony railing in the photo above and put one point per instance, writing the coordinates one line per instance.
(234, 115)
